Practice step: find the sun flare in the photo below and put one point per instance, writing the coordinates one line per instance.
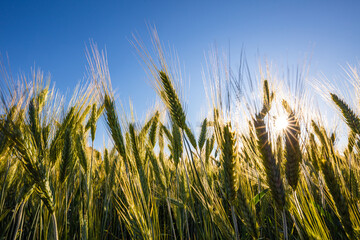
(281, 123)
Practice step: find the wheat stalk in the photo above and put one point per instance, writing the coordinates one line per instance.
(351, 118)
(272, 170)
(172, 101)
(339, 199)
(292, 146)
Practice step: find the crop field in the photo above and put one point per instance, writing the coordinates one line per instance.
(268, 170)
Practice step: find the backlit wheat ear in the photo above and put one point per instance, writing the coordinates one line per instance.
(67, 157)
(34, 121)
(161, 153)
(33, 164)
(319, 134)
(176, 144)
(56, 146)
(351, 119)
(112, 173)
(266, 93)
(146, 126)
(138, 161)
(106, 161)
(172, 100)
(83, 116)
(114, 127)
(93, 118)
(202, 136)
(156, 167)
(208, 150)
(228, 161)
(267, 99)
(190, 136)
(314, 152)
(340, 202)
(41, 98)
(35, 107)
(272, 169)
(81, 151)
(247, 214)
(153, 128)
(351, 141)
(292, 146)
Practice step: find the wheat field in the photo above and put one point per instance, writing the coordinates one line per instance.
(162, 179)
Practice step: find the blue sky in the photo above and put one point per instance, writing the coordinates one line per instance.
(52, 35)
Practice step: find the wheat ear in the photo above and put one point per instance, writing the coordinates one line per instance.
(352, 120)
(339, 199)
(292, 146)
(272, 169)
(172, 101)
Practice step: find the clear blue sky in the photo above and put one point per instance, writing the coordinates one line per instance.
(52, 35)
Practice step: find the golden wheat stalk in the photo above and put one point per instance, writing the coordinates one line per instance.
(351, 118)
(172, 101)
(272, 169)
(292, 147)
(340, 201)
(228, 161)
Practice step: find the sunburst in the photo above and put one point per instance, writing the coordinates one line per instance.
(281, 122)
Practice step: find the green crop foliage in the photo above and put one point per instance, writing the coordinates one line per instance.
(166, 178)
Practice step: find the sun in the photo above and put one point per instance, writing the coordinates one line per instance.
(281, 123)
